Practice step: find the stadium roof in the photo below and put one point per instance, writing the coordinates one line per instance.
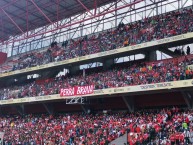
(20, 16)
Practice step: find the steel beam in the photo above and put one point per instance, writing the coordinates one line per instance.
(188, 99)
(184, 3)
(49, 108)
(92, 17)
(65, 24)
(95, 7)
(84, 7)
(23, 14)
(149, 5)
(10, 3)
(83, 108)
(27, 17)
(93, 22)
(76, 100)
(41, 11)
(129, 102)
(12, 21)
(57, 11)
(110, 17)
(20, 109)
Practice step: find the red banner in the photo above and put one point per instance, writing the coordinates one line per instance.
(3, 57)
(76, 91)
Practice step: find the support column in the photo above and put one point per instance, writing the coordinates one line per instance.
(107, 63)
(151, 55)
(74, 69)
(20, 109)
(188, 97)
(83, 108)
(50, 73)
(49, 108)
(129, 101)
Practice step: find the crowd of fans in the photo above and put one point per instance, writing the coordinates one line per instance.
(168, 126)
(120, 75)
(148, 29)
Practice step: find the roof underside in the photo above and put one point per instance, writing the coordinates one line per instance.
(20, 16)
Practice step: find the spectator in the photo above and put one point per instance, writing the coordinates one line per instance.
(188, 50)
(187, 136)
(182, 52)
(191, 135)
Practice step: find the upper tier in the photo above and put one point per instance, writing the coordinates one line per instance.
(150, 32)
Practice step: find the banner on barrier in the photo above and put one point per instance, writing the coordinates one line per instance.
(77, 91)
(89, 91)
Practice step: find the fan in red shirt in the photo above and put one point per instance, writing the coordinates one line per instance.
(172, 139)
(177, 137)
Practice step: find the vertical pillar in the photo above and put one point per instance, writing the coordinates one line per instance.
(49, 108)
(20, 109)
(151, 55)
(188, 98)
(116, 14)
(107, 63)
(129, 102)
(74, 69)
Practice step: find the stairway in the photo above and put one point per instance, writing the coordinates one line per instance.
(120, 141)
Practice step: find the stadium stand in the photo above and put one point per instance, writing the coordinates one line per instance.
(149, 29)
(121, 75)
(166, 126)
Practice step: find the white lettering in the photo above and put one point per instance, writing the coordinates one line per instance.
(83, 90)
(67, 92)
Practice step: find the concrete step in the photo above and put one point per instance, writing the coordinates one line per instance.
(120, 141)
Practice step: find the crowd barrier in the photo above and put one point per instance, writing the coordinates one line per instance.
(109, 91)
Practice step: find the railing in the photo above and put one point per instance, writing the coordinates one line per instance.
(109, 91)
